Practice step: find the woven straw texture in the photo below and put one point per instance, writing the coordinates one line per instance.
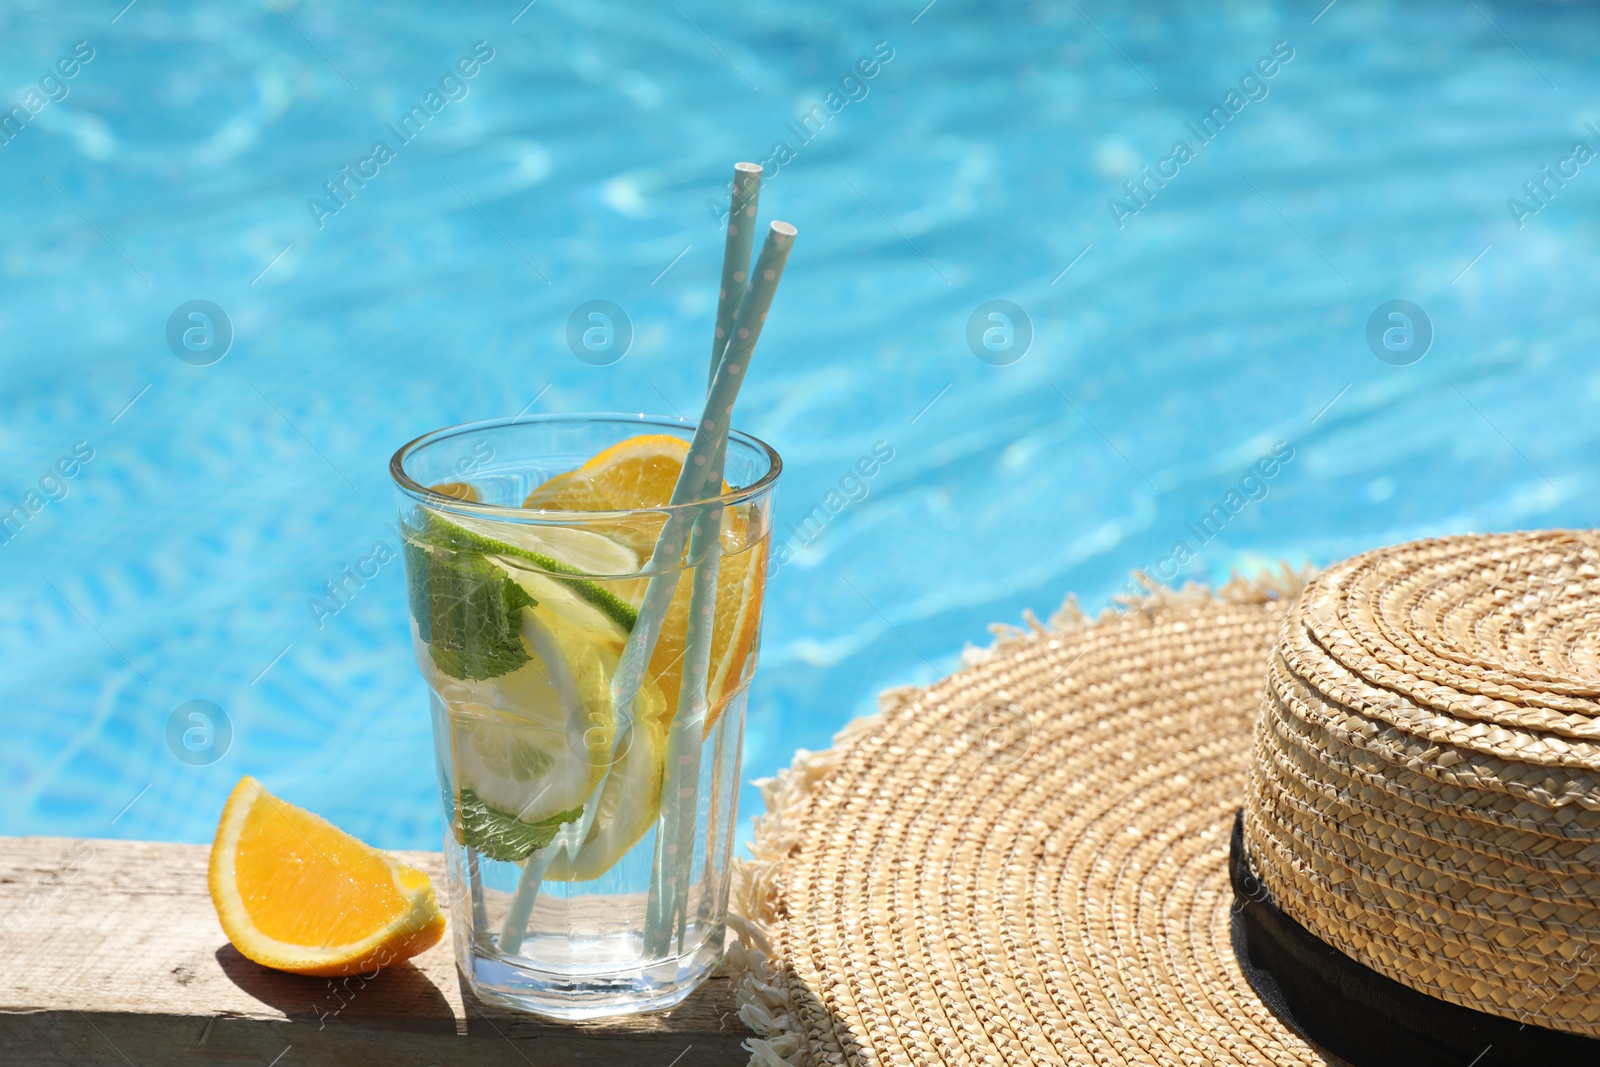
(1027, 862)
(1425, 788)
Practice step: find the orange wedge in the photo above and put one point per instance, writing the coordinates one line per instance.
(641, 472)
(296, 893)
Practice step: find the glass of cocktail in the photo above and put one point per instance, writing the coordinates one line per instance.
(589, 810)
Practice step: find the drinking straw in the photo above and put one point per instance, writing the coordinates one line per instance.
(680, 793)
(700, 478)
(736, 254)
(666, 912)
(702, 469)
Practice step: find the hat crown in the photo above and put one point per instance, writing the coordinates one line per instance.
(1425, 785)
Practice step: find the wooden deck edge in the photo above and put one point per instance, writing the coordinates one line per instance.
(93, 1039)
(110, 953)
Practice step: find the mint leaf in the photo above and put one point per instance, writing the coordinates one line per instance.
(468, 611)
(504, 837)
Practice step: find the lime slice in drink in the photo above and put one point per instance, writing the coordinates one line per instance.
(530, 548)
(592, 553)
(576, 611)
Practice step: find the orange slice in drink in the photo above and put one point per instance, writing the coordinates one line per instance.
(296, 893)
(637, 473)
(641, 472)
(459, 490)
(741, 579)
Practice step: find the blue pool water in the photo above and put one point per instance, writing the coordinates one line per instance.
(1226, 314)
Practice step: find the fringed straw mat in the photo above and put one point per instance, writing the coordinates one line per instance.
(1025, 863)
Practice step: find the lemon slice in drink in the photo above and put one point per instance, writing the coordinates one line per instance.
(628, 806)
(523, 647)
(631, 797)
(531, 745)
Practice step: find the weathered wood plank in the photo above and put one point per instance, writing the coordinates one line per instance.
(110, 953)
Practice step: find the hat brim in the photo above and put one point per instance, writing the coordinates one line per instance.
(1026, 863)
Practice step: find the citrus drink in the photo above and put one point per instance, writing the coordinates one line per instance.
(525, 582)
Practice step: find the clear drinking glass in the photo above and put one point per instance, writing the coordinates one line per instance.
(520, 617)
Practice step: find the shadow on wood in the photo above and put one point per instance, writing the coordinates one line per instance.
(399, 997)
(110, 953)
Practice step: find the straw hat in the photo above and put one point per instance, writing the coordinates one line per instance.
(1041, 859)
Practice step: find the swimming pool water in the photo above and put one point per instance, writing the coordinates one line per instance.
(1205, 321)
